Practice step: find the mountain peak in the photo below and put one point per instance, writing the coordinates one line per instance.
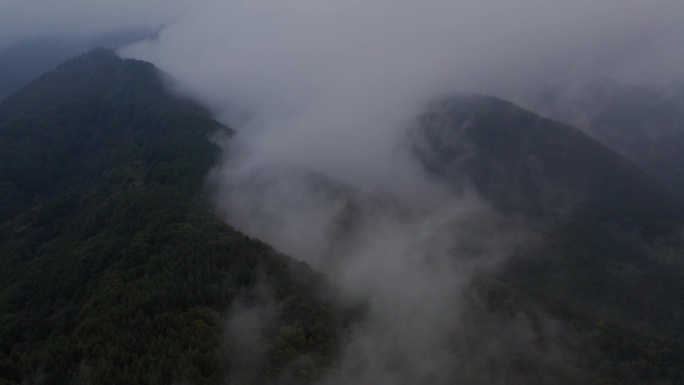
(96, 58)
(101, 182)
(97, 74)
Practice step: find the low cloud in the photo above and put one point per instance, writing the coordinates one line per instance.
(323, 95)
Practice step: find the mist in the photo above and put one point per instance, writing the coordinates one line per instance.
(308, 81)
(332, 86)
(323, 96)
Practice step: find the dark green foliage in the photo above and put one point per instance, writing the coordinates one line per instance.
(112, 268)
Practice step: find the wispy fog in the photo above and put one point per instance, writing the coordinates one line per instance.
(323, 93)
(331, 85)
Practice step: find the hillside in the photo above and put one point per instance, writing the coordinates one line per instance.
(644, 124)
(522, 161)
(608, 258)
(112, 267)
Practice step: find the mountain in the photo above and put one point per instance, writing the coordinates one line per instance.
(644, 124)
(113, 268)
(608, 258)
(25, 60)
(522, 161)
(599, 281)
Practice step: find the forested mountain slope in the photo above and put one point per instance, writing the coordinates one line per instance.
(523, 161)
(608, 260)
(112, 267)
(644, 124)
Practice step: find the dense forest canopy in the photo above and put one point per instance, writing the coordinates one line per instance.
(113, 268)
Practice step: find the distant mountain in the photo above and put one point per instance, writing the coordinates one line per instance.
(522, 161)
(113, 268)
(644, 124)
(608, 260)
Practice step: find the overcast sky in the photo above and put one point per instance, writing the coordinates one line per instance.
(612, 30)
(26, 19)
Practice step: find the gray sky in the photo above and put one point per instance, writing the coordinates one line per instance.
(26, 19)
(264, 49)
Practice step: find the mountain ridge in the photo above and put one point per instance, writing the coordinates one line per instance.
(475, 135)
(115, 269)
(611, 256)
